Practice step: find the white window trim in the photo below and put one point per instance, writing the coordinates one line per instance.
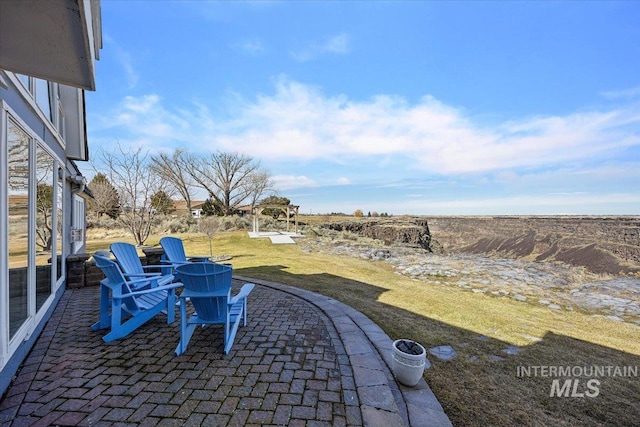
(55, 284)
(63, 236)
(9, 346)
(31, 100)
(60, 117)
(4, 226)
(79, 209)
(3, 81)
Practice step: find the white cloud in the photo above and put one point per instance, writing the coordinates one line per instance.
(144, 121)
(506, 176)
(338, 44)
(343, 181)
(124, 58)
(623, 93)
(299, 123)
(287, 182)
(552, 203)
(251, 47)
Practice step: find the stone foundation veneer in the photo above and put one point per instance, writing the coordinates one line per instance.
(77, 267)
(153, 256)
(81, 271)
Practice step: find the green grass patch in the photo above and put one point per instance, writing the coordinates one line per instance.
(472, 388)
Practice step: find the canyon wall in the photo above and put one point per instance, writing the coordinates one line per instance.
(396, 230)
(602, 244)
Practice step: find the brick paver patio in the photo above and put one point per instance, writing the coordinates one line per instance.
(301, 361)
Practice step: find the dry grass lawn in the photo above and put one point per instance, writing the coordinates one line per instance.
(473, 389)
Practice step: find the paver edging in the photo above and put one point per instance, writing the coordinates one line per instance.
(416, 406)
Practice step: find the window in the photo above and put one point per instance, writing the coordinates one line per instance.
(42, 97)
(18, 142)
(47, 98)
(78, 224)
(59, 120)
(60, 123)
(34, 238)
(26, 81)
(45, 223)
(58, 227)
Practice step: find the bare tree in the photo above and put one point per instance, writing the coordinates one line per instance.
(45, 201)
(210, 226)
(130, 173)
(17, 159)
(258, 185)
(174, 170)
(44, 220)
(229, 178)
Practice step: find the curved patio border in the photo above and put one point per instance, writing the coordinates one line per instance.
(383, 401)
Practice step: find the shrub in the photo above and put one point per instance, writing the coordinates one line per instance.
(227, 223)
(177, 226)
(243, 222)
(173, 224)
(102, 222)
(347, 235)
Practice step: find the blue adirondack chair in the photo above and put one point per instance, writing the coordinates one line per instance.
(208, 286)
(129, 261)
(175, 254)
(123, 309)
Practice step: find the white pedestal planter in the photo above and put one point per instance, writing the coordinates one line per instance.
(407, 366)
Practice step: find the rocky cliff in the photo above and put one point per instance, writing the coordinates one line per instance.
(602, 244)
(407, 231)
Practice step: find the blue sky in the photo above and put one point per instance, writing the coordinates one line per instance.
(431, 108)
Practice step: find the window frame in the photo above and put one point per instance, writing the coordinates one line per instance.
(34, 317)
(29, 94)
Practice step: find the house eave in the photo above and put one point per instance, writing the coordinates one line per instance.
(55, 40)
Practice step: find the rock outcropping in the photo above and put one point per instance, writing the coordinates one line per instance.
(602, 244)
(407, 231)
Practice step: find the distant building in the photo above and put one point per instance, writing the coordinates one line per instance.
(180, 208)
(196, 209)
(47, 59)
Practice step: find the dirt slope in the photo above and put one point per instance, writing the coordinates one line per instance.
(602, 244)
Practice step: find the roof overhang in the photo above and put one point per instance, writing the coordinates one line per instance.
(55, 40)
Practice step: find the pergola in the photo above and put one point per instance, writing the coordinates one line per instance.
(288, 210)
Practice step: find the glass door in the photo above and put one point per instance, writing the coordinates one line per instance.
(46, 207)
(18, 142)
